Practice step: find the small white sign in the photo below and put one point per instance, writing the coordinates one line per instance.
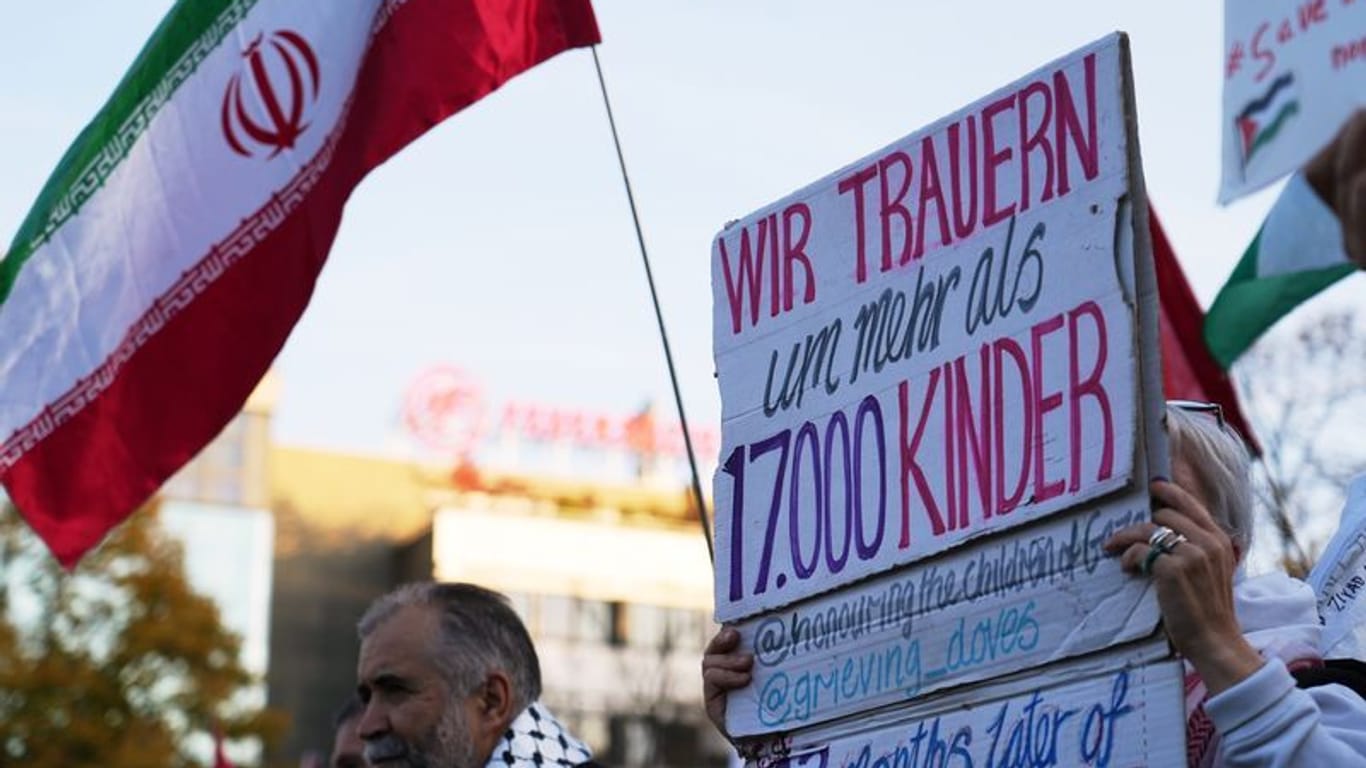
(1339, 581)
(1293, 73)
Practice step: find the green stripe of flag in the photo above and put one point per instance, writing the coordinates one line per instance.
(189, 33)
(1249, 304)
(1268, 133)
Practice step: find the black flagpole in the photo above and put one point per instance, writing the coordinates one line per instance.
(698, 498)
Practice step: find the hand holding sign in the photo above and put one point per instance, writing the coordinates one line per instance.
(1194, 581)
(1338, 174)
(724, 669)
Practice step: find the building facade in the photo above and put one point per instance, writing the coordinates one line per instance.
(608, 570)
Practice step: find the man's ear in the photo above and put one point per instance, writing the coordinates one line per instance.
(494, 703)
(490, 712)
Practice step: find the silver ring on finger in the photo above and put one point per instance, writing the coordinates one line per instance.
(1161, 535)
(1167, 545)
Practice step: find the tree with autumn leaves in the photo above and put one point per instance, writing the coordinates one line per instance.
(118, 664)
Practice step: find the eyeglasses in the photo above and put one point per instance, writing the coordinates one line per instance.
(1195, 406)
(1217, 411)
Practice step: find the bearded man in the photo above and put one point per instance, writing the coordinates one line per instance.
(449, 678)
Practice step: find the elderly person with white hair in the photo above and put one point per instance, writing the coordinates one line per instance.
(1242, 637)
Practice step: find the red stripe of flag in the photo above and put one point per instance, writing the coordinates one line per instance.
(1189, 372)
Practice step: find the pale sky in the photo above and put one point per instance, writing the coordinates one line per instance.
(501, 242)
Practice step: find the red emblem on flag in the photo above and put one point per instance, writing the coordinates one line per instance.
(265, 109)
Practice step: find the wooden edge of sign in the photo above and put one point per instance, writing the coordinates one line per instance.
(1157, 461)
(1131, 223)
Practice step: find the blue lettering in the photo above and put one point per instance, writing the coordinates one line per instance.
(1011, 630)
(796, 699)
(1098, 735)
(995, 730)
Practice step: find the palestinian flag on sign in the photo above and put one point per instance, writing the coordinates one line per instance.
(1262, 119)
(1297, 253)
(178, 241)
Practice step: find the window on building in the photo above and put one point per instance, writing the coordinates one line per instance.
(592, 621)
(556, 616)
(687, 629)
(621, 624)
(648, 624)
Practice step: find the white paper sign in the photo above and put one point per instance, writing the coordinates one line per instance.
(1339, 581)
(930, 345)
(989, 608)
(1085, 714)
(1294, 70)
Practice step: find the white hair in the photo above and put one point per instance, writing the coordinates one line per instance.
(1221, 464)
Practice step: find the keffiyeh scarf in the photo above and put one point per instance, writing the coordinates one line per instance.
(536, 739)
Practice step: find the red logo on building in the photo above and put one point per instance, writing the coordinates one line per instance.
(265, 103)
(445, 410)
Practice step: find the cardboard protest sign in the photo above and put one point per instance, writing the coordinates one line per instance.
(939, 364)
(894, 384)
(984, 610)
(1110, 711)
(1293, 73)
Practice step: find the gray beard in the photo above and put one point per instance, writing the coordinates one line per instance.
(448, 745)
(454, 748)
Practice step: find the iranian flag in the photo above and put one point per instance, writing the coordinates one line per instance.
(1297, 253)
(179, 239)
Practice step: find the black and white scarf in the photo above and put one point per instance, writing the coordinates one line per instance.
(537, 739)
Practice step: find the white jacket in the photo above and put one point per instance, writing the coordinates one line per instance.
(1266, 720)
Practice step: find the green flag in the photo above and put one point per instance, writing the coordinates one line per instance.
(1297, 253)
